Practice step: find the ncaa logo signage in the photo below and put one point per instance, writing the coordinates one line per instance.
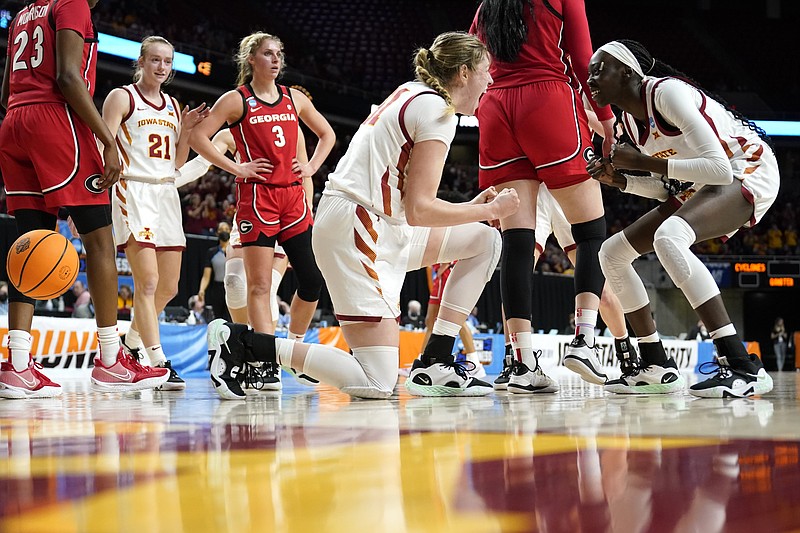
(588, 154)
(245, 226)
(93, 183)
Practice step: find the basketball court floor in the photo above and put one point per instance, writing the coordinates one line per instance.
(313, 460)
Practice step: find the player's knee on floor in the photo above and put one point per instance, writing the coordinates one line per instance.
(235, 283)
(589, 237)
(88, 218)
(380, 365)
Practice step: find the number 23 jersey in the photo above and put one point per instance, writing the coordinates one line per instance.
(268, 130)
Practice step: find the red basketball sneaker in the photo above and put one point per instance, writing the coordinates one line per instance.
(30, 383)
(127, 374)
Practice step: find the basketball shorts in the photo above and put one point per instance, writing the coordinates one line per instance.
(550, 219)
(271, 211)
(148, 212)
(49, 159)
(363, 259)
(442, 273)
(236, 242)
(537, 132)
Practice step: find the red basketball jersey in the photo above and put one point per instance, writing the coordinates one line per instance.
(32, 49)
(268, 130)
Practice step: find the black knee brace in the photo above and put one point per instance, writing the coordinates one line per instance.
(588, 238)
(29, 220)
(301, 256)
(88, 218)
(516, 269)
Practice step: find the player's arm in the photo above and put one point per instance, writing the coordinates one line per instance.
(115, 108)
(321, 128)
(6, 75)
(302, 159)
(198, 167)
(69, 59)
(189, 119)
(228, 109)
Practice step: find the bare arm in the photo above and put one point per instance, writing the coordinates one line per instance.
(69, 59)
(424, 209)
(115, 107)
(189, 119)
(302, 159)
(204, 281)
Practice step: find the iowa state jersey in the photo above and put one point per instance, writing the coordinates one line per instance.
(692, 131)
(268, 130)
(148, 136)
(32, 49)
(373, 170)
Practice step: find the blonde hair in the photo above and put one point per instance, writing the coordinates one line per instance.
(248, 47)
(438, 66)
(147, 42)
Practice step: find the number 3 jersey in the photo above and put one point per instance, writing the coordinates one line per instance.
(268, 130)
(148, 136)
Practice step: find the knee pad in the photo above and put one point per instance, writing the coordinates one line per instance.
(29, 220)
(301, 256)
(235, 283)
(88, 218)
(380, 365)
(589, 236)
(671, 243)
(616, 260)
(516, 272)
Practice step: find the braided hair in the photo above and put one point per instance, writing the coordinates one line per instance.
(655, 67)
(502, 26)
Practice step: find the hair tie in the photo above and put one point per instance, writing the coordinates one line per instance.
(651, 66)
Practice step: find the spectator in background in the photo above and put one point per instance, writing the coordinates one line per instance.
(779, 342)
(569, 329)
(698, 332)
(193, 215)
(413, 316)
(3, 298)
(124, 301)
(76, 298)
(196, 308)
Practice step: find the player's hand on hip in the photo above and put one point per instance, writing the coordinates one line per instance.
(251, 171)
(111, 167)
(302, 170)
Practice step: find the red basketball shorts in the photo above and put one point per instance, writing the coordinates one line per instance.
(281, 211)
(535, 132)
(49, 158)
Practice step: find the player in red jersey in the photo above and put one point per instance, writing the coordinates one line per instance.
(49, 159)
(271, 203)
(534, 130)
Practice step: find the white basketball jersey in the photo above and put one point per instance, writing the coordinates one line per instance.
(148, 136)
(373, 170)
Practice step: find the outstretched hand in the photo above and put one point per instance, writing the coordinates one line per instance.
(192, 117)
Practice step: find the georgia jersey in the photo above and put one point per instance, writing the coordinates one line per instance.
(148, 136)
(373, 170)
(268, 130)
(32, 50)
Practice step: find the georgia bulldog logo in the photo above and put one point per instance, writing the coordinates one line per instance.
(93, 183)
(245, 226)
(588, 154)
(23, 245)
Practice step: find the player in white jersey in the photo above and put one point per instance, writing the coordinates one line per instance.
(379, 218)
(683, 136)
(152, 136)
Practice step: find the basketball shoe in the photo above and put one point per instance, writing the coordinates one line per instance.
(30, 383)
(126, 374)
(226, 354)
(501, 383)
(444, 379)
(523, 380)
(582, 359)
(303, 379)
(651, 379)
(729, 382)
(174, 382)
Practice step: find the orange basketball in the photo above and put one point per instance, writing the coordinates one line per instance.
(42, 264)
